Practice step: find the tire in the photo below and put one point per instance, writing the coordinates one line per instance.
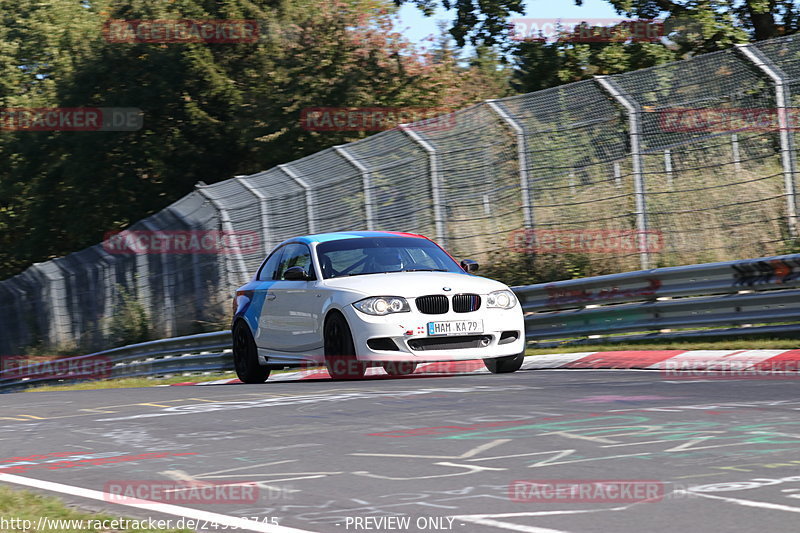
(340, 352)
(245, 356)
(505, 365)
(400, 368)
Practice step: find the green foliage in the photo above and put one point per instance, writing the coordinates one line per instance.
(30, 506)
(527, 269)
(484, 22)
(130, 323)
(211, 111)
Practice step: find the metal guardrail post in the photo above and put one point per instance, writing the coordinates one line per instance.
(635, 133)
(309, 198)
(263, 210)
(228, 226)
(522, 161)
(433, 162)
(782, 97)
(366, 180)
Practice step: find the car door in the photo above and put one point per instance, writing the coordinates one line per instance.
(262, 297)
(291, 319)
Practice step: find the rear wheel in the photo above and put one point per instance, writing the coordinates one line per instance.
(340, 352)
(245, 356)
(505, 365)
(400, 368)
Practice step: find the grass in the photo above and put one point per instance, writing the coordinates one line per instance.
(130, 382)
(16, 506)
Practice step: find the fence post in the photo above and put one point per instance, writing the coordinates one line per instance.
(168, 314)
(737, 160)
(635, 133)
(109, 280)
(782, 97)
(263, 210)
(227, 225)
(309, 198)
(668, 166)
(438, 215)
(522, 161)
(199, 289)
(60, 333)
(366, 183)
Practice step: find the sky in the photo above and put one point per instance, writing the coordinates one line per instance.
(416, 26)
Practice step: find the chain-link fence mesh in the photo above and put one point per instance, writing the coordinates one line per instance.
(689, 154)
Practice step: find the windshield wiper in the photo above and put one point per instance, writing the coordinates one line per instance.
(424, 270)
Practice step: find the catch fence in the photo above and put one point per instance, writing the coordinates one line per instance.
(685, 163)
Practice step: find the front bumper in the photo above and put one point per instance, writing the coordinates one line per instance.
(408, 332)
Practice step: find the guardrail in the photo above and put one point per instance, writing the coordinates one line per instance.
(205, 352)
(753, 296)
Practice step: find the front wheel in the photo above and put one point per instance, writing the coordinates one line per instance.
(340, 352)
(505, 365)
(245, 356)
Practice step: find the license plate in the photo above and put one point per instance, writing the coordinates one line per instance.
(455, 327)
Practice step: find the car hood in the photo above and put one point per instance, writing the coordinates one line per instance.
(413, 284)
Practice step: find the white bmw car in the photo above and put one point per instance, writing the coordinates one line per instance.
(356, 299)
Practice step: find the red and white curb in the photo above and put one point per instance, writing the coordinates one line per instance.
(781, 362)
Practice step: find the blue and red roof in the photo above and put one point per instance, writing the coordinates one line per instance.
(340, 235)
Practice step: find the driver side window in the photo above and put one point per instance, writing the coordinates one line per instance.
(268, 271)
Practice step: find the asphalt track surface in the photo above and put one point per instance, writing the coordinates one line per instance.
(442, 452)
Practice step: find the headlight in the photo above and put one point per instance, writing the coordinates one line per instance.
(382, 305)
(501, 299)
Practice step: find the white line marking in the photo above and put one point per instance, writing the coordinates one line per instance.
(210, 474)
(746, 503)
(534, 362)
(469, 453)
(541, 513)
(166, 508)
(508, 525)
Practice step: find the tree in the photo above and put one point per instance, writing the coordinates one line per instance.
(476, 21)
(211, 111)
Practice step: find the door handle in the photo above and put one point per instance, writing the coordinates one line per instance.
(271, 296)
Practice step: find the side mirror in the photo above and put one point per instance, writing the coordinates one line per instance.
(469, 265)
(295, 273)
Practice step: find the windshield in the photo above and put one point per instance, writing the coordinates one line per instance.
(376, 255)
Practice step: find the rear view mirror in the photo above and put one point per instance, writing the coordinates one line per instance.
(469, 265)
